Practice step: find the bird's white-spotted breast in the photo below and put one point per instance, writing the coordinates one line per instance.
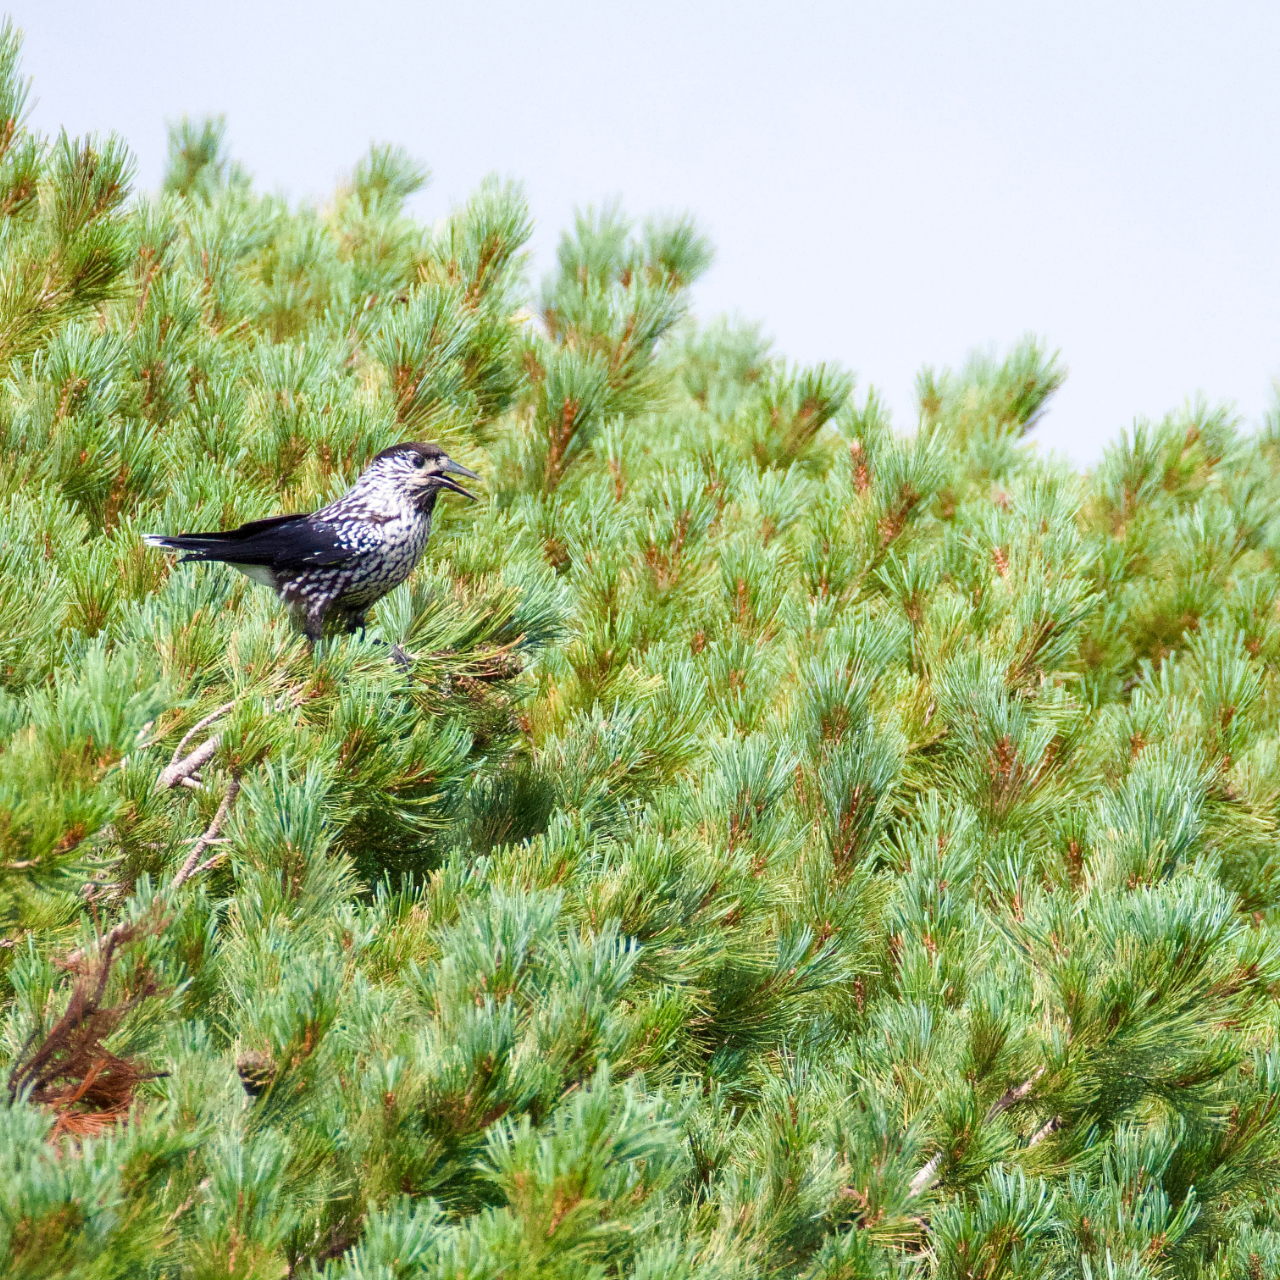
(389, 530)
(389, 562)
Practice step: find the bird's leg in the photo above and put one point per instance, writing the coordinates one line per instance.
(355, 622)
(313, 624)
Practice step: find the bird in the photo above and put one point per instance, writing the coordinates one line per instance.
(328, 567)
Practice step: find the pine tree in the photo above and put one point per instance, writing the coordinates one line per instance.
(797, 847)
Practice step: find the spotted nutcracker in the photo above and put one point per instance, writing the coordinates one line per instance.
(331, 566)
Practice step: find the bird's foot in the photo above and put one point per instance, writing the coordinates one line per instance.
(399, 656)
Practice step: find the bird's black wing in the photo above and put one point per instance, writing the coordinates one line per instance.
(281, 542)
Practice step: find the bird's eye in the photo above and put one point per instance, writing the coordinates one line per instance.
(419, 461)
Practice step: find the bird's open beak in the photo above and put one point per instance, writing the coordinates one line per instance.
(459, 470)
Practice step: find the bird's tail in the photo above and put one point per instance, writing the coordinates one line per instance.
(198, 546)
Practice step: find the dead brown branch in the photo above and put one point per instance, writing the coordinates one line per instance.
(70, 1069)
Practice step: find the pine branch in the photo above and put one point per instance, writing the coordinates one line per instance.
(193, 866)
(180, 769)
(928, 1173)
(925, 1176)
(1013, 1095)
(1050, 1126)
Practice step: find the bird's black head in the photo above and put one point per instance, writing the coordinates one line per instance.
(422, 468)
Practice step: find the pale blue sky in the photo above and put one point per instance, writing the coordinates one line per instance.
(885, 184)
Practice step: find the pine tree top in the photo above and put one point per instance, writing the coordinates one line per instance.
(799, 847)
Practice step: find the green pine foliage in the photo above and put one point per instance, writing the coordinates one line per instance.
(798, 848)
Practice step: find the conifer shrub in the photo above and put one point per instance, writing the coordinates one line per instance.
(798, 848)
